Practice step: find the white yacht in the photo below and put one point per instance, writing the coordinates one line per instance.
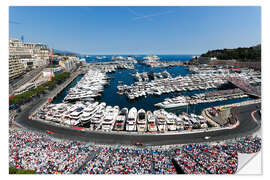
(109, 118)
(120, 120)
(178, 101)
(141, 121)
(161, 122)
(170, 119)
(75, 115)
(151, 122)
(131, 121)
(151, 58)
(179, 124)
(85, 117)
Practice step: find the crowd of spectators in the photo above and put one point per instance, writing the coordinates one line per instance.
(162, 162)
(248, 145)
(244, 85)
(130, 161)
(228, 92)
(218, 159)
(188, 163)
(98, 164)
(39, 152)
(29, 150)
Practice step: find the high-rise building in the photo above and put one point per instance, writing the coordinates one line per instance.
(15, 67)
(20, 52)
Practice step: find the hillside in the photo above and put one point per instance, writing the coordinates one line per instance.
(63, 52)
(246, 54)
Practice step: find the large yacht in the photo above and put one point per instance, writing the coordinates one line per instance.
(97, 117)
(120, 120)
(85, 117)
(161, 122)
(178, 101)
(131, 121)
(151, 58)
(171, 124)
(141, 121)
(109, 118)
(151, 122)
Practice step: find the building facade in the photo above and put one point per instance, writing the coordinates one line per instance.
(68, 63)
(24, 55)
(16, 68)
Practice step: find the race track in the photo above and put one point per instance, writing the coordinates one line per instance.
(247, 126)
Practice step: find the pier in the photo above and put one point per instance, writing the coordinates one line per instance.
(65, 84)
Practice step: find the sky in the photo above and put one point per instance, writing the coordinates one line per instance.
(137, 30)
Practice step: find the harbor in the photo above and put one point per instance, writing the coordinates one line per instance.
(143, 89)
(163, 101)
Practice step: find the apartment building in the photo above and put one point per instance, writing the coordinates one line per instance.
(69, 63)
(15, 67)
(23, 55)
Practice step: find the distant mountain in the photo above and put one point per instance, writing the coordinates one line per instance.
(244, 54)
(64, 52)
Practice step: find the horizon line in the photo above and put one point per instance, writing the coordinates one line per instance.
(142, 54)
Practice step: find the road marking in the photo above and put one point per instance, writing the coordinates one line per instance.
(49, 132)
(235, 125)
(252, 115)
(75, 127)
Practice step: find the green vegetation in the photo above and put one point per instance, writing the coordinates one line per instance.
(53, 66)
(28, 95)
(20, 171)
(65, 53)
(193, 61)
(59, 54)
(241, 54)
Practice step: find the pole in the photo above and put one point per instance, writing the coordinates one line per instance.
(51, 62)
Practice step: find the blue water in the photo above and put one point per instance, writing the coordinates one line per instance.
(111, 97)
(62, 94)
(92, 58)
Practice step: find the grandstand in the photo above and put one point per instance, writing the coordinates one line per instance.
(30, 150)
(245, 86)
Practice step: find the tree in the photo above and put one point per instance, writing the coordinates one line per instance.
(13, 170)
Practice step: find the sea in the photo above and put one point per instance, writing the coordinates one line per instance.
(124, 76)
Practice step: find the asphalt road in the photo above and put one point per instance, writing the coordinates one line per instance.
(24, 79)
(246, 127)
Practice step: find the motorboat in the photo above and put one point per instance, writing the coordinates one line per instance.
(178, 101)
(151, 122)
(85, 117)
(131, 120)
(170, 119)
(141, 121)
(120, 120)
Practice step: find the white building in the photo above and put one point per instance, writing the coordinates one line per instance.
(83, 61)
(47, 72)
(24, 55)
(69, 63)
(15, 67)
(33, 63)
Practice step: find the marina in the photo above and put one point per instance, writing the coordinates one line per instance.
(208, 97)
(118, 92)
(92, 102)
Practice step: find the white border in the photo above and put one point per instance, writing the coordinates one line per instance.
(138, 2)
(4, 57)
